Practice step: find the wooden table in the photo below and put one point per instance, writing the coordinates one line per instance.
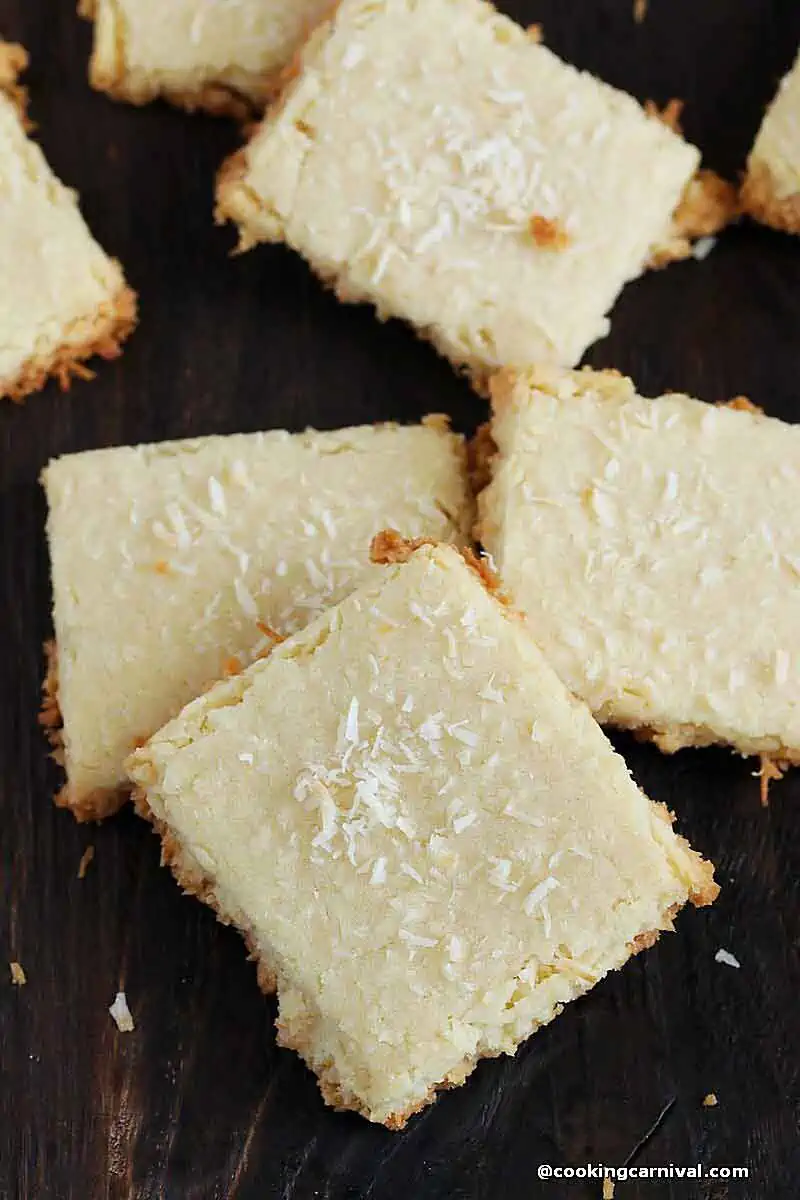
(198, 1102)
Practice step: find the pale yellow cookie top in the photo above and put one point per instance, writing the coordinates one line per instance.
(143, 47)
(777, 145)
(425, 836)
(432, 159)
(655, 547)
(54, 278)
(165, 557)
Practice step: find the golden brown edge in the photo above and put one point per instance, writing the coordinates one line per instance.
(215, 99)
(761, 200)
(91, 806)
(13, 61)
(481, 450)
(704, 889)
(709, 203)
(110, 325)
(699, 737)
(389, 547)
(669, 115)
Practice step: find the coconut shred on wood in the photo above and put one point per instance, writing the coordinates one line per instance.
(122, 1014)
(726, 958)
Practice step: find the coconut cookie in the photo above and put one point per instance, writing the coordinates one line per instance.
(62, 300)
(655, 548)
(436, 162)
(174, 564)
(428, 843)
(771, 190)
(224, 56)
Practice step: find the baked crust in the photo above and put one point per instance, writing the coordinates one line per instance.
(669, 115)
(99, 333)
(102, 335)
(742, 404)
(770, 770)
(194, 882)
(13, 61)
(481, 450)
(50, 710)
(215, 99)
(389, 546)
(761, 199)
(708, 204)
(687, 737)
(94, 805)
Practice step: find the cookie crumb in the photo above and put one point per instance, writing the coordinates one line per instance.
(769, 771)
(535, 33)
(726, 958)
(86, 858)
(709, 203)
(547, 233)
(710, 1101)
(18, 976)
(744, 404)
(122, 1014)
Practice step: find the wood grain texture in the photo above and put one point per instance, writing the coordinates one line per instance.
(198, 1103)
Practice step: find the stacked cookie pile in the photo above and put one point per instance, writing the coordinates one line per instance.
(375, 752)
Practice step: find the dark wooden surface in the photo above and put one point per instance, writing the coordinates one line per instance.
(198, 1103)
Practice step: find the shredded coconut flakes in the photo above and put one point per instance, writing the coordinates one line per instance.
(122, 1014)
(537, 896)
(726, 958)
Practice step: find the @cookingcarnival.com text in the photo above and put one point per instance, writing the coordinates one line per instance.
(623, 1174)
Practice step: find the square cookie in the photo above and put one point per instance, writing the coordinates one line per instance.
(433, 160)
(655, 548)
(224, 56)
(428, 843)
(62, 300)
(771, 190)
(173, 564)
